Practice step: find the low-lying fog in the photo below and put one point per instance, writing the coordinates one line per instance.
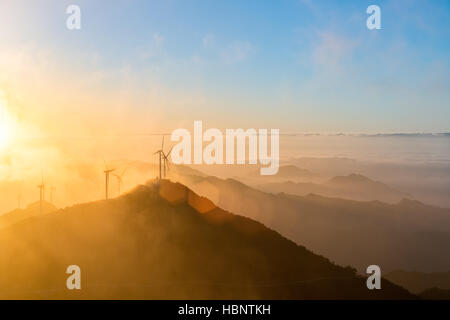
(414, 164)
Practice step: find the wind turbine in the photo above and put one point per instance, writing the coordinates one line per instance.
(160, 152)
(163, 157)
(166, 161)
(41, 193)
(107, 172)
(119, 178)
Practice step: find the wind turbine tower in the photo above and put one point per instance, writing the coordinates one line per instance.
(160, 153)
(166, 161)
(163, 158)
(107, 172)
(41, 195)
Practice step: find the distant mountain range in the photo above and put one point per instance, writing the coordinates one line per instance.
(353, 187)
(163, 241)
(405, 235)
(426, 181)
(287, 172)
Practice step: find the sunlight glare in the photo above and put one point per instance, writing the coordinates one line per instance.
(6, 127)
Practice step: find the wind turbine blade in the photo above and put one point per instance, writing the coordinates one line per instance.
(170, 151)
(162, 145)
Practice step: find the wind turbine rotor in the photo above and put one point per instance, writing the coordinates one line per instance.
(168, 154)
(166, 160)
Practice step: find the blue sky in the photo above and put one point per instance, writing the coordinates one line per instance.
(299, 65)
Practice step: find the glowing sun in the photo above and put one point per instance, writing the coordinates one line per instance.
(6, 123)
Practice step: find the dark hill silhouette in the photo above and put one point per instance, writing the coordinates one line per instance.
(418, 282)
(352, 187)
(435, 294)
(164, 241)
(17, 215)
(405, 235)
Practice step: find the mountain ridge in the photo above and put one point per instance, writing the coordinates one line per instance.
(16, 215)
(396, 236)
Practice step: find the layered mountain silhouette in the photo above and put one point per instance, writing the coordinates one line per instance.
(428, 181)
(405, 235)
(352, 187)
(164, 241)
